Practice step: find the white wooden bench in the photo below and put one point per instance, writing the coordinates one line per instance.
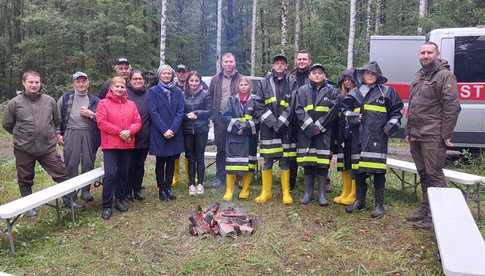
(13, 210)
(470, 181)
(460, 243)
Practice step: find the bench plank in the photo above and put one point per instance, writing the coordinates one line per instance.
(21, 205)
(460, 243)
(450, 175)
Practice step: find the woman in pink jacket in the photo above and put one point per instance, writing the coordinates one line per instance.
(118, 121)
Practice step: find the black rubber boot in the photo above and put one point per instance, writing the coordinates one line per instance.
(322, 189)
(308, 193)
(378, 200)
(361, 191)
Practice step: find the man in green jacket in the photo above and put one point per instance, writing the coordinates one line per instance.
(32, 117)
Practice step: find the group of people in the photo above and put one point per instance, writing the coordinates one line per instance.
(295, 119)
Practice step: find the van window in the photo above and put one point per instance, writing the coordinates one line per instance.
(470, 58)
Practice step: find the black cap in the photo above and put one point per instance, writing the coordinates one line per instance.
(181, 68)
(280, 57)
(122, 60)
(316, 66)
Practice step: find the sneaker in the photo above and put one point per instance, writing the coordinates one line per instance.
(31, 213)
(106, 214)
(200, 189)
(425, 224)
(217, 183)
(418, 215)
(192, 190)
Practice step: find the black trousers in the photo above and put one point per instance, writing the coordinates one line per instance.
(194, 152)
(116, 165)
(379, 179)
(164, 168)
(137, 170)
(220, 141)
(310, 170)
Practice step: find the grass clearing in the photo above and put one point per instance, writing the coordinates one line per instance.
(152, 237)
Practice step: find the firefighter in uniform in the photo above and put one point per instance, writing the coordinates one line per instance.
(315, 110)
(241, 139)
(274, 109)
(374, 113)
(343, 143)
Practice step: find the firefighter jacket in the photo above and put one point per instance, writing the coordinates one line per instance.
(241, 138)
(342, 143)
(315, 112)
(275, 113)
(380, 113)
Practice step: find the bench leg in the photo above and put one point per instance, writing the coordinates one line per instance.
(73, 215)
(478, 201)
(10, 235)
(402, 180)
(58, 212)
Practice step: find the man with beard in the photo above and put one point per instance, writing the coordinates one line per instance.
(432, 114)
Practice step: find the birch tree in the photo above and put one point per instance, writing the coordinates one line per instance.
(350, 49)
(378, 22)
(368, 21)
(284, 25)
(219, 36)
(253, 37)
(297, 24)
(423, 8)
(163, 31)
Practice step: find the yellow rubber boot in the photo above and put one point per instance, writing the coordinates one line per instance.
(346, 179)
(176, 172)
(285, 187)
(186, 166)
(246, 181)
(266, 192)
(350, 198)
(230, 179)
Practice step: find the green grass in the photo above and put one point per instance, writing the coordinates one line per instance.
(152, 238)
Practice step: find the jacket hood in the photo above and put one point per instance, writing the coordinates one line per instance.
(117, 99)
(349, 73)
(373, 67)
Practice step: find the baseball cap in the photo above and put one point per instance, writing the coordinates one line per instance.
(78, 75)
(280, 57)
(122, 60)
(181, 68)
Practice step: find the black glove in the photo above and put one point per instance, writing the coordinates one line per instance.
(391, 127)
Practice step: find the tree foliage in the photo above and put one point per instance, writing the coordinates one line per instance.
(58, 37)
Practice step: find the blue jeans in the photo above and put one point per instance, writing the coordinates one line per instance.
(116, 165)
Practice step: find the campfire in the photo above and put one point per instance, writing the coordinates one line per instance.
(227, 222)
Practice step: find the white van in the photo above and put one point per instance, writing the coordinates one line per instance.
(464, 49)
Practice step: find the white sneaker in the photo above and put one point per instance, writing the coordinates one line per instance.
(192, 190)
(200, 189)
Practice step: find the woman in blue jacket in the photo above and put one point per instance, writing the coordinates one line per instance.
(166, 107)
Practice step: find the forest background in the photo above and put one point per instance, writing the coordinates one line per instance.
(59, 37)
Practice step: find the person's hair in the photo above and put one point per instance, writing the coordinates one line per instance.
(246, 79)
(187, 89)
(30, 73)
(304, 51)
(117, 80)
(434, 45)
(136, 71)
(343, 90)
(227, 54)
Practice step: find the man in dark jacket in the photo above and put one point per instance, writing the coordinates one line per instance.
(122, 69)
(32, 118)
(432, 114)
(222, 86)
(303, 60)
(274, 110)
(78, 130)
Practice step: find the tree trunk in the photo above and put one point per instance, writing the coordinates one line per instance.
(368, 21)
(423, 9)
(204, 52)
(219, 36)
(350, 49)
(379, 11)
(284, 25)
(253, 37)
(163, 31)
(297, 24)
